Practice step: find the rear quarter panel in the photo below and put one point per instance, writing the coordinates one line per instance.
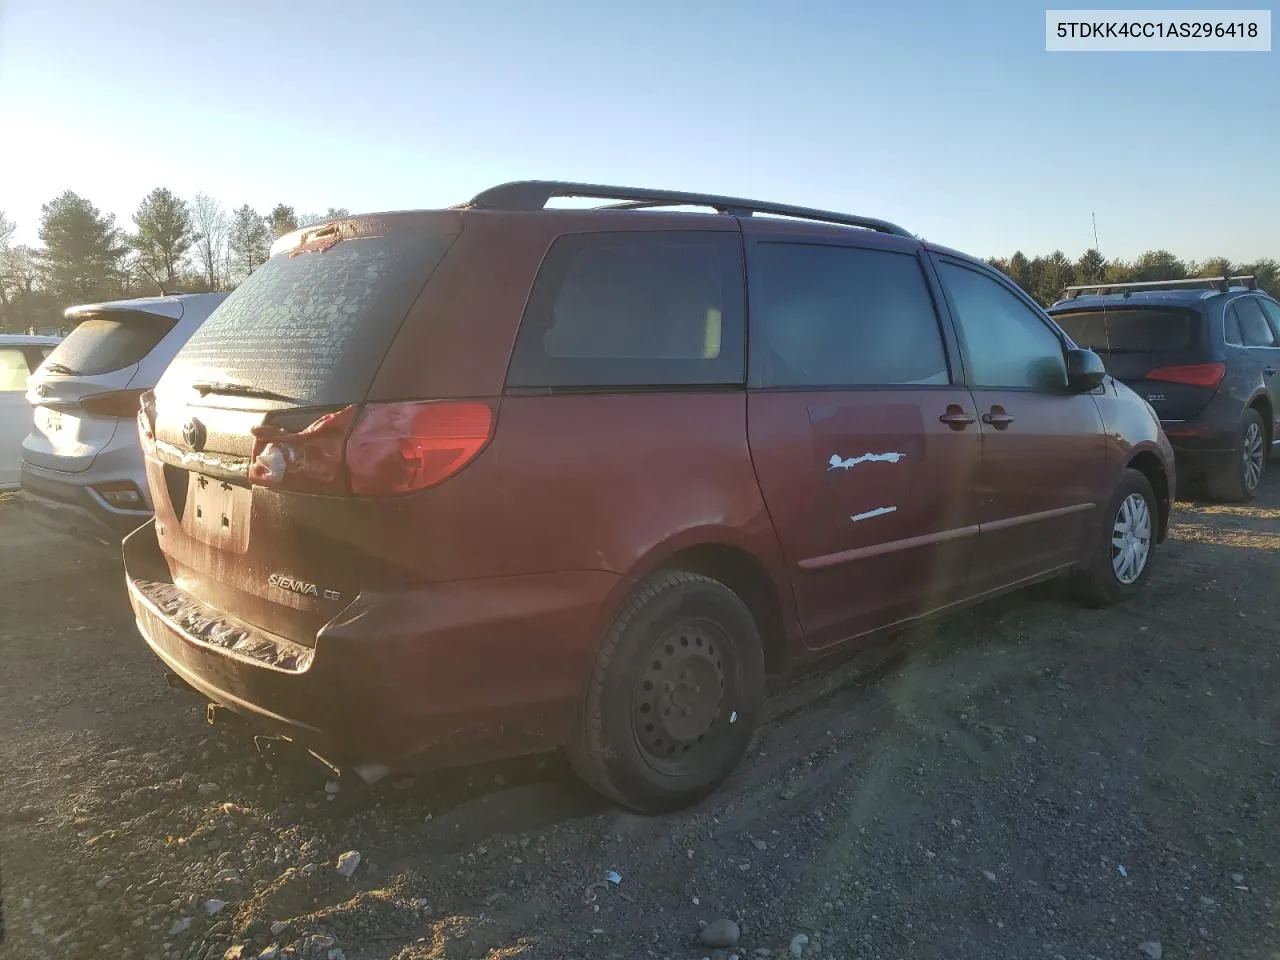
(615, 484)
(610, 482)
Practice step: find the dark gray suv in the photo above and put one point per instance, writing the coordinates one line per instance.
(1204, 354)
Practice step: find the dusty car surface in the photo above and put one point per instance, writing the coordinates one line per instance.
(82, 470)
(455, 484)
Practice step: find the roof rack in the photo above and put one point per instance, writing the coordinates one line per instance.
(1217, 283)
(534, 194)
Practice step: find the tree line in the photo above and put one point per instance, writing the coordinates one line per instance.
(174, 245)
(1046, 277)
(198, 245)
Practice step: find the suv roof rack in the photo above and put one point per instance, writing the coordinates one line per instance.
(1222, 284)
(534, 194)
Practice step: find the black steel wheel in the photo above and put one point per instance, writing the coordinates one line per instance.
(674, 696)
(679, 698)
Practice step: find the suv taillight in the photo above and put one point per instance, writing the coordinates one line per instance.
(121, 404)
(1195, 375)
(384, 450)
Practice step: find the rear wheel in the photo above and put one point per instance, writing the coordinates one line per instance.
(1237, 479)
(676, 691)
(1122, 560)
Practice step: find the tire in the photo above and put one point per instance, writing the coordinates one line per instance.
(1237, 479)
(1107, 580)
(674, 696)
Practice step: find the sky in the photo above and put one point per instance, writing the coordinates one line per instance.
(949, 118)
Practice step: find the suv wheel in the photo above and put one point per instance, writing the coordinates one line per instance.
(1238, 478)
(675, 694)
(1122, 560)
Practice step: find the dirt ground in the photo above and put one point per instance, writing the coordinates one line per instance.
(1027, 780)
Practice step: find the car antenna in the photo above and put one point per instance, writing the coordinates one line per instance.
(1106, 323)
(154, 279)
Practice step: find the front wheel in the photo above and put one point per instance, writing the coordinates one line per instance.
(1122, 559)
(676, 691)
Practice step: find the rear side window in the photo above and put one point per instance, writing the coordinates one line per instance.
(1231, 328)
(1272, 310)
(13, 370)
(1129, 330)
(1254, 329)
(314, 327)
(108, 342)
(634, 310)
(842, 316)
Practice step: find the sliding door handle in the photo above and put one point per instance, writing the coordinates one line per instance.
(997, 418)
(957, 418)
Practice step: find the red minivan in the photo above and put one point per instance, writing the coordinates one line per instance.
(456, 484)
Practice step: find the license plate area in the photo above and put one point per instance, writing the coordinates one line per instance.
(217, 513)
(52, 421)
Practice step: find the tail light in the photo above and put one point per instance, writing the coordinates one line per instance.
(402, 447)
(1195, 375)
(309, 461)
(121, 404)
(147, 423)
(385, 450)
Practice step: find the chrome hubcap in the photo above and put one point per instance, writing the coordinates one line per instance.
(1131, 538)
(1253, 456)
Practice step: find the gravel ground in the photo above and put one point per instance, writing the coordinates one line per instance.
(1026, 780)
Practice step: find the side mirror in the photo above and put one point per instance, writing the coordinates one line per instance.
(1085, 370)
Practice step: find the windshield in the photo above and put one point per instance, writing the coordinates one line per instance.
(313, 326)
(1129, 330)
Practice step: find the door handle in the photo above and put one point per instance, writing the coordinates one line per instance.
(1269, 371)
(956, 417)
(997, 418)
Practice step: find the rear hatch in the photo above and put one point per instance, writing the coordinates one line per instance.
(84, 389)
(1156, 351)
(250, 431)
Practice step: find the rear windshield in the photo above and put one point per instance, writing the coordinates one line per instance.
(107, 343)
(1129, 330)
(314, 327)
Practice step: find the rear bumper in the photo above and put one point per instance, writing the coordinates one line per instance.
(1198, 448)
(440, 674)
(1205, 440)
(68, 504)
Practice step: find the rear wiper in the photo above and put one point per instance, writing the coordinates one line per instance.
(205, 387)
(58, 368)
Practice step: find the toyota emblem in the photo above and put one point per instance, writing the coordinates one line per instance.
(193, 434)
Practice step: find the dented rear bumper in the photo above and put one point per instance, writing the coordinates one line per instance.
(438, 673)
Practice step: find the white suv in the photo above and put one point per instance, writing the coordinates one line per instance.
(82, 469)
